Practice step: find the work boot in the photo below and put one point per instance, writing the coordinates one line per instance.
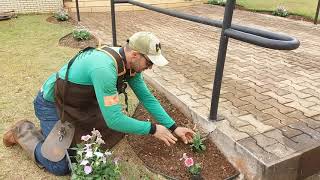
(25, 134)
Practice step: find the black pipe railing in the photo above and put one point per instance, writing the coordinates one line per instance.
(78, 12)
(250, 35)
(317, 13)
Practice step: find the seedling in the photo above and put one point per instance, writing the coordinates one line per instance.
(197, 143)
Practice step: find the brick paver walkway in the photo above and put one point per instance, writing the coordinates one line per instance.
(270, 98)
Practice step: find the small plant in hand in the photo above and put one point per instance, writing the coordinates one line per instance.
(217, 2)
(92, 162)
(197, 143)
(81, 34)
(193, 169)
(61, 15)
(281, 11)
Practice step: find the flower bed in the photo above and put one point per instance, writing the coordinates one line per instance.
(171, 161)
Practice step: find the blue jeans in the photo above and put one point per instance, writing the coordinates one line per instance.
(46, 112)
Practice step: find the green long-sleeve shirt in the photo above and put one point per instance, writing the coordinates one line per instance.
(98, 69)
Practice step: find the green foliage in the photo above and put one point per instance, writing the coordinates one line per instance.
(195, 169)
(61, 15)
(217, 2)
(280, 11)
(81, 34)
(197, 143)
(92, 162)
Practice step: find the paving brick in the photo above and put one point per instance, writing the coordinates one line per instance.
(260, 127)
(309, 112)
(235, 101)
(279, 91)
(232, 109)
(284, 119)
(279, 150)
(280, 99)
(295, 86)
(307, 130)
(258, 96)
(290, 132)
(264, 141)
(283, 109)
(303, 102)
(249, 129)
(258, 151)
(300, 94)
(259, 105)
(304, 140)
(274, 122)
(224, 126)
(261, 116)
(186, 98)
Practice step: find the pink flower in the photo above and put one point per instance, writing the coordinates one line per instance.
(87, 169)
(188, 162)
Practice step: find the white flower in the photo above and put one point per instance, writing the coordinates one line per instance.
(98, 154)
(100, 141)
(89, 154)
(88, 147)
(108, 153)
(96, 133)
(84, 162)
(86, 138)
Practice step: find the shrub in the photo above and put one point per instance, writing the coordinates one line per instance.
(281, 11)
(217, 2)
(81, 34)
(61, 15)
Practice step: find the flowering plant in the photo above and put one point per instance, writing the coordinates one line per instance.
(92, 162)
(197, 143)
(193, 168)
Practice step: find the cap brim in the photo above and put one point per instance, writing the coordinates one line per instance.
(158, 60)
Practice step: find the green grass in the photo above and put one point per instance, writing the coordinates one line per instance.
(305, 8)
(29, 53)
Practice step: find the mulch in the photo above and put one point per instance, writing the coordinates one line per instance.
(166, 160)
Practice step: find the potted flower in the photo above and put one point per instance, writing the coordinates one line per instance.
(193, 169)
(90, 162)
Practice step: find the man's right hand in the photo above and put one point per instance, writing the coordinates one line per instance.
(164, 135)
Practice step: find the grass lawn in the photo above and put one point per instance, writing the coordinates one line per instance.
(29, 53)
(305, 8)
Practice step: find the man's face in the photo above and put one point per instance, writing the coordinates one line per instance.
(140, 62)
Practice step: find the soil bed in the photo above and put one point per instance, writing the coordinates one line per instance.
(166, 160)
(53, 20)
(69, 41)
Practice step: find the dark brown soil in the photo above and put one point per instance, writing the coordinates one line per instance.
(69, 41)
(166, 160)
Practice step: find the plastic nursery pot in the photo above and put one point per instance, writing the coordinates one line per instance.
(196, 177)
(71, 157)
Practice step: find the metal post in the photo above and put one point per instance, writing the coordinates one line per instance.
(221, 59)
(113, 20)
(317, 13)
(78, 12)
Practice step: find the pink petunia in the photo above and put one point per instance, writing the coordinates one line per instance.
(87, 169)
(188, 162)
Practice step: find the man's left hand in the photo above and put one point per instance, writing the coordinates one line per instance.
(185, 134)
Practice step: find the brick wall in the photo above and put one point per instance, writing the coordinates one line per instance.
(30, 6)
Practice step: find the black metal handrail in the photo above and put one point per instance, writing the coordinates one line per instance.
(250, 35)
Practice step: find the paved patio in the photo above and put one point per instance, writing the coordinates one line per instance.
(270, 99)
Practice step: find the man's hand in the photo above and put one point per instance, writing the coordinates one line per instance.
(164, 135)
(185, 134)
